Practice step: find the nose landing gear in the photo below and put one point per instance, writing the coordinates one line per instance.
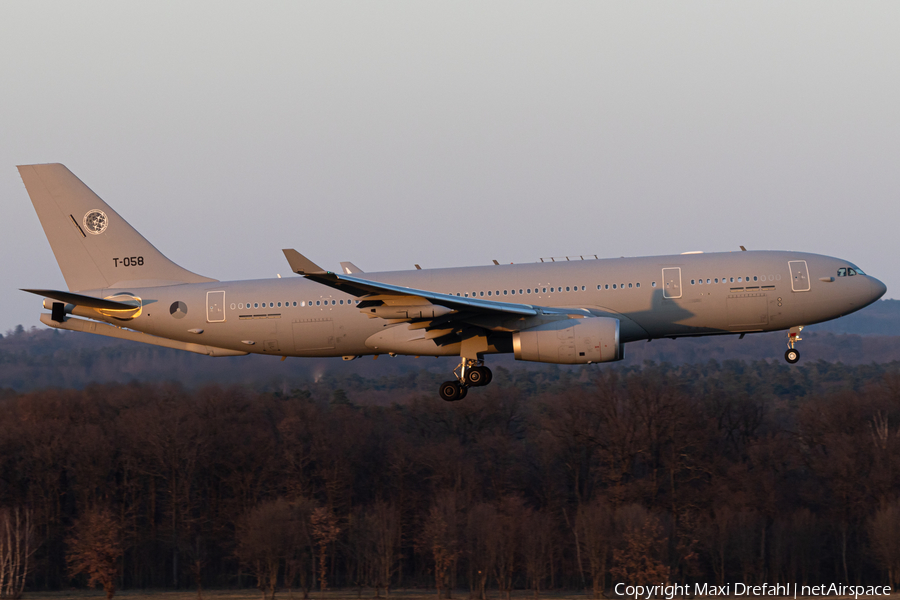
(792, 355)
(469, 373)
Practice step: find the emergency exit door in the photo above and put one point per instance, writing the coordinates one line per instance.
(672, 282)
(215, 307)
(799, 275)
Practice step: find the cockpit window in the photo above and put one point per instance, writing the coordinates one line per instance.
(842, 272)
(851, 271)
(858, 271)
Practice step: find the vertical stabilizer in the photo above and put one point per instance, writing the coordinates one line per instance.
(94, 246)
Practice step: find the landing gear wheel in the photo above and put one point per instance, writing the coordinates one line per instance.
(792, 355)
(463, 390)
(451, 391)
(477, 376)
(490, 376)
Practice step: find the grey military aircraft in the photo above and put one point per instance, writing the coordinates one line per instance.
(558, 311)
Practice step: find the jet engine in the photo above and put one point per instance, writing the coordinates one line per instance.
(570, 341)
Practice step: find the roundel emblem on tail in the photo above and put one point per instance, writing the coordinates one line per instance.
(95, 221)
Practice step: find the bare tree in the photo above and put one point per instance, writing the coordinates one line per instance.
(382, 526)
(637, 559)
(884, 533)
(506, 537)
(479, 549)
(439, 538)
(17, 544)
(325, 532)
(538, 537)
(593, 523)
(265, 536)
(95, 546)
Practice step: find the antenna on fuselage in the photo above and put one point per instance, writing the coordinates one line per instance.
(742, 249)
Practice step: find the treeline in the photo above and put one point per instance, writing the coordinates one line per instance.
(717, 472)
(38, 358)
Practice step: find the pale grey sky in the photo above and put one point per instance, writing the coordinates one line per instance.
(446, 134)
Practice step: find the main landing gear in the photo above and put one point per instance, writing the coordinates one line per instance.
(792, 355)
(469, 373)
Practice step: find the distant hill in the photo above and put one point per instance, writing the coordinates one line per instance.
(37, 358)
(880, 318)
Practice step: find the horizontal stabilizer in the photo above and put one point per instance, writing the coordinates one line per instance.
(300, 264)
(82, 300)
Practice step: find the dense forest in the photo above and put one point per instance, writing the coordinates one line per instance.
(552, 479)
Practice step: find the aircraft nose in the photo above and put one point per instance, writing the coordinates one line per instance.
(878, 288)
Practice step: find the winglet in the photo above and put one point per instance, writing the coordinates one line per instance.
(300, 264)
(350, 269)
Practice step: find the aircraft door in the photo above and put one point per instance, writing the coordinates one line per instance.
(799, 275)
(215, 307)
(671, 282)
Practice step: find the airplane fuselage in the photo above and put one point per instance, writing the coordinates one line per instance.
(653, 297)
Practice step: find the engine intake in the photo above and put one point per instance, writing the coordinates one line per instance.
(570, 341)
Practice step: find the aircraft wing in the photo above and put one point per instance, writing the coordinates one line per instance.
(362, 288)
(446, 318)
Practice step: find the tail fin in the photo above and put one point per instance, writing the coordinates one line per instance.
(94, 246)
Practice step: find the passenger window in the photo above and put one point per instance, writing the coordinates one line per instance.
(716, 280)
(607, 286)
(614, 286)
(692, 282)
(599, 286)
(739, 280)
(754, 278)
(567, 288)
(707, 281)
(629, 285)
(732, 280)
(520, 292)
(279, 305)
(256, 305)
(545, 290)
(528, 290)
(318, 302)
(504, 292)
(842, 272)
(489, 292)
(638, 284)
(652, 284)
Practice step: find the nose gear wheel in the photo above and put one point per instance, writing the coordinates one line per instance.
(792, 355)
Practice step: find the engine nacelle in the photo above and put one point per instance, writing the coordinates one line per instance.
(570, 341)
